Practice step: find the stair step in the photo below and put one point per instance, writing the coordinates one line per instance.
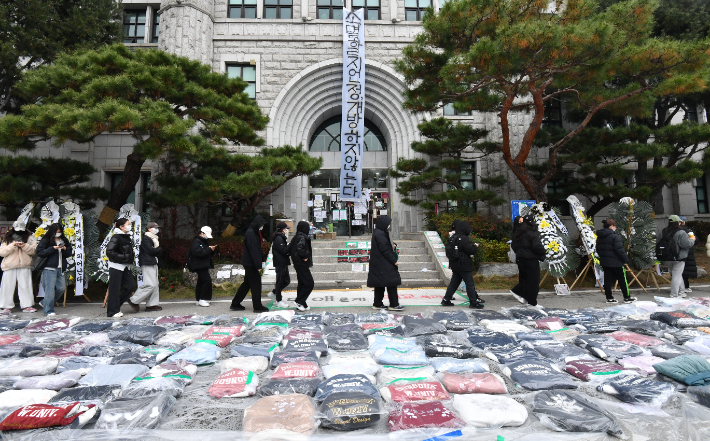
(362, 275)
(337, 244)
(357, 284)
(319, 267)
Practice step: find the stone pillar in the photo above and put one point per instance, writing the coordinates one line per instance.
(186, 29)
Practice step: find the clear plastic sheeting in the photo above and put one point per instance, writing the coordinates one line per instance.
(538, 375)
(454, 365)
(295, 413)
(490, 411)
(254, 364)
(199, 354)
(346, 383)
(349, 411)
(110, 350)
(30, 367)
(154, 386)
(132, 413)
(638, 390)
(304, 386)
(472, 383)
(20, 350)
(142, 335)
(431, 414)
(101, 394)
(564, 411)
(405, 374)
(290, 357)
(51, 382)
(121, 374)
(12, 399)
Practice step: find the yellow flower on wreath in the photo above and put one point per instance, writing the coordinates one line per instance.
(544, 224)
(69, 232)
(554, 245)
(40, 232)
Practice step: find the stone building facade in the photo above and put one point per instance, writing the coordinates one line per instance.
(293, 64)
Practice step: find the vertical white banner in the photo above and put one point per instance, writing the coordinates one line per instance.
(79, 255)
(352, 126)
(137, 227)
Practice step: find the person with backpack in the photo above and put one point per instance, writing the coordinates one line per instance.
(53, 249)
(199, 260)
(691, 267)
(672, 250)
(253, 262)
(302, 255)
(529, 252)
(17, 249)
(149, 292)
(279, 246)
(383, 268)
(459, 250)
(121, 283)
(612, 258)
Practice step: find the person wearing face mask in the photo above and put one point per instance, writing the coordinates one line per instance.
(17, 249)
(529, 252)
(200, 262)
(302, 254)
(121, 283)
(54, 248)
(384, 270)
(281, 264)
(148, 259)
(253, 261)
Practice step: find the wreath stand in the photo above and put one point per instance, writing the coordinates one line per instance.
(547, 273)
(635, 278)
(585, 270)
(65, 298)
(651, 276)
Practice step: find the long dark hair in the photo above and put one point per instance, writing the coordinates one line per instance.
(8, 236)
(520, 230)
(121, 221)
(52, 231)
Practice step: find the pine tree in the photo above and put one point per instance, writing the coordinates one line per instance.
(513, 57)
(440, 174)
(165, 102)
(238, 181)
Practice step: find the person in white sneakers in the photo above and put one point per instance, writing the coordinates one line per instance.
(121, 283)
(54, 249)
(17, 249)
(199, 261)
(149, 292)
(281, 264)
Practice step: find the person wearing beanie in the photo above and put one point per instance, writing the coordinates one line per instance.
(149, 292)
(301, 253)
(529, 252)
(200, 261)
(682, 244)
(279, 246)
(253, 261)
(612, 258)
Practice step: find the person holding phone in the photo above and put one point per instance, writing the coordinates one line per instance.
(200, 262)
(55, 249)
(17, 249)
(121, 283)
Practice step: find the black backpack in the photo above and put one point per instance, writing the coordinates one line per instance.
(452, 249)
(188, 262)
(667, 248)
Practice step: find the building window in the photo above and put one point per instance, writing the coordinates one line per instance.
(242, 8)
(414, 9)
(553, 113)
(154, 28)
(468, 182)
(372, 8)
(246, 72)
(115, 179)
(450, 111)
(557, 195)
(330, 178)
(330, 9)
(278, 8)
(692, 113)
(327, 137)
(133, 25)
(701, 193)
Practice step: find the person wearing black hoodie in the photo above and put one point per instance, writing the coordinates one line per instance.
(253, 261)
(55, 248)
(200, 256)
(383, 268)
(121, 283)
(279, 246)
(529, 252)
(612, 258)
(462, 268)
(302, 255)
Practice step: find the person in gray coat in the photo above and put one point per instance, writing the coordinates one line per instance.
(150, 252)
(683, 243)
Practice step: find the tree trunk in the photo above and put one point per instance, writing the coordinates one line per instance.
(239, 215)
(599, 206)
(119, 195)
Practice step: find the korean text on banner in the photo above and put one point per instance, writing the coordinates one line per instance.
(79, 255)
(353, 116)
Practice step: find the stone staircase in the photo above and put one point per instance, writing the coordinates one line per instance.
(329, 274)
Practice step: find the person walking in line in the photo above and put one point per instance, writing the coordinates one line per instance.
(461, 266)
(302, 255)
(148, 259)
(529, 252)
(17, 249)
(691, 267)
(200, 262)
(54, 249)
(612, 258)
(281, 264)
(121, 283)
(672, 249)
(253, 261)
(384, 266)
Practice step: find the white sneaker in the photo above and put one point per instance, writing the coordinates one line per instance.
(518, 298)
(682, 295)
(688, 290)
(29, 309)
(204, 303)
(281, 304)
(272, 296)
(117, 315)
(301, 307)
(539, 307)
(51, 314)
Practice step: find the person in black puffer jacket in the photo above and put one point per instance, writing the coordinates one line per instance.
(690, 271)
(302, 255)
(253, 261)
(121, 283)
(201, 253)
(53, 246)
(383, 268)
(279, 246)
(462, 268)
(529, 252)
(612, 258)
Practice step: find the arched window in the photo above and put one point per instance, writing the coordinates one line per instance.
(327, 137)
